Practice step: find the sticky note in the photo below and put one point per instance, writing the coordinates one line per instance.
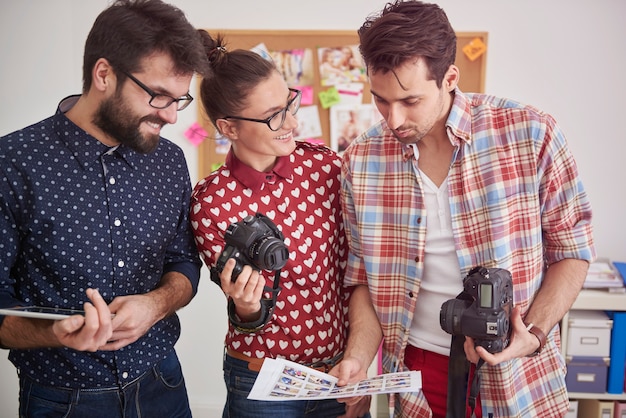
(329, 97)
(307, 95)
(195, 134)
(474, 49)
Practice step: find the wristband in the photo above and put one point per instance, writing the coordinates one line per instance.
(541, 336)
(267, 309)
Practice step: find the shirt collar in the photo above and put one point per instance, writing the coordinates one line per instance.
(85, 148)
(253, 179)
(459, 123)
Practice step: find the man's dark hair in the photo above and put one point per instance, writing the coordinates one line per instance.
(130, 30)
(405, 31)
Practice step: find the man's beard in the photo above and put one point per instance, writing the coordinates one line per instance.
(118, 121)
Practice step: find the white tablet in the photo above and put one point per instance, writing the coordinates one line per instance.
(41, 312)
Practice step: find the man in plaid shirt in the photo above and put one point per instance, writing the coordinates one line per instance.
(446, 182)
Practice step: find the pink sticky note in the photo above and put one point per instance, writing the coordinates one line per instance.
(307, 95)
(195, 134)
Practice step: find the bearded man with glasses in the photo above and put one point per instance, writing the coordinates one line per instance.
(94, 209)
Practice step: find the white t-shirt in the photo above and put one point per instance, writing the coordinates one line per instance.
(441, 280)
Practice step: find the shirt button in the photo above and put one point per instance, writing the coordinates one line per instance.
(125, 375)
(112, 180)
(120, 263)
(117, 222)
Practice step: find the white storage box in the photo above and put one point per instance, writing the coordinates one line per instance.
(589, 334)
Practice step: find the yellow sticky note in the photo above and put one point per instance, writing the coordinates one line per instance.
(329, 97)
(474, 49)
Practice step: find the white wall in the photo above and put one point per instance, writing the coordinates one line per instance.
(566, 57)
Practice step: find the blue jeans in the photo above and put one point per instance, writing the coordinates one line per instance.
(159, 393)
(239, 381)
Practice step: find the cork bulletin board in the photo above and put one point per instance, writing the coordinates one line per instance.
(470, 58)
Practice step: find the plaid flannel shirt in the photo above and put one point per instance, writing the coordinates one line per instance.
(517, 203)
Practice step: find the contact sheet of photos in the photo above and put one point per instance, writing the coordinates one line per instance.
(284, 380)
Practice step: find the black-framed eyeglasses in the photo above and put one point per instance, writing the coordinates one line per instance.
(276, 120)
(161, 101)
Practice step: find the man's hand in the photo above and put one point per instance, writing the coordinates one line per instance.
(89, 332)
(349, 370)
(134, 316)
(521, 344)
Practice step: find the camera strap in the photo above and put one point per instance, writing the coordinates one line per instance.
(459, 380)
(458, 375)
(474, 387)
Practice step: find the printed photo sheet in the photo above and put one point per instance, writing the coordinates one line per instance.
(284, 380)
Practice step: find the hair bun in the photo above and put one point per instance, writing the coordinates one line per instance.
(215, 52)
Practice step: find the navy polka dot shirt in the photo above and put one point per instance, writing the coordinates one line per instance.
(74, 214)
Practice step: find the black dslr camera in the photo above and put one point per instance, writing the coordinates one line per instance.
(255, 241)
(482, 310)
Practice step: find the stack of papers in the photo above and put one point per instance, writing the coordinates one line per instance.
(602, 274)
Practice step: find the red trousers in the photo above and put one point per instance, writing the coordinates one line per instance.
(434, 368)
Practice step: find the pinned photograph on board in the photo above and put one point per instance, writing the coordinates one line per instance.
(349, 121)
(262, 50)
(309, 125)
(295, 65)
(341, 64)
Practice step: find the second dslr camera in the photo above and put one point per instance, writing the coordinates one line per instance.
(482, 310)
(255, 241)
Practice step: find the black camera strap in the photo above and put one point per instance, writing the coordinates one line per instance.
(459, 380)
(458, 375)
(474, 387)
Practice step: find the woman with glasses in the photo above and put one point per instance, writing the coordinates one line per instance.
(296, 185)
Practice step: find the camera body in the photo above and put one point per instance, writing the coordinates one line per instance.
(254, 241)
(482, 310)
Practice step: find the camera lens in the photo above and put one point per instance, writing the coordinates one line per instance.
(269, 253)
(450, 315)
